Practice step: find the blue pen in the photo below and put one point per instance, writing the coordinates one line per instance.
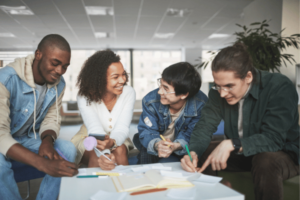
(61, 154)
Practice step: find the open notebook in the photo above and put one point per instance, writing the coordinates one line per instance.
(151, 179)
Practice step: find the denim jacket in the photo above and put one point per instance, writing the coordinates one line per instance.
(17, 93)
(156, 118)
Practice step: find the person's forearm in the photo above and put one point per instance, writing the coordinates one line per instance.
(21, 154)
(177, 146)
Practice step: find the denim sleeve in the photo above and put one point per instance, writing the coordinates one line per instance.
(148, 125)
(184, 136)
(150, 148)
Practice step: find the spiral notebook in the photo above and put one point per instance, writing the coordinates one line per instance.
(150, 180)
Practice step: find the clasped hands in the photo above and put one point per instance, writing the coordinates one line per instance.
(166, 148)
(217, 159)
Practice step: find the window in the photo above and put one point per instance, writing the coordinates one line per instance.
(154, 62)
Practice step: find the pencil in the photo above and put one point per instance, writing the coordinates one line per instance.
(163, 138)
(148, 191)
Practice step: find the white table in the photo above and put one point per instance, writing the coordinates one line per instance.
(83, 188)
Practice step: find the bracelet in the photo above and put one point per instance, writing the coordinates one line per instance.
(114, 146)
(47, 136)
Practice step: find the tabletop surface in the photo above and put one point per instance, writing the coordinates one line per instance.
(83, 188)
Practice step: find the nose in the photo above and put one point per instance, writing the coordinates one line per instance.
(122, 79)
(59, 70)
(160, 90)
(223, 93)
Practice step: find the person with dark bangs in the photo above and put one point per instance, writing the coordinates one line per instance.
(169, 115)
(106, 105)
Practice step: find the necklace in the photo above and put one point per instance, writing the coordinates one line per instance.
(110, 104)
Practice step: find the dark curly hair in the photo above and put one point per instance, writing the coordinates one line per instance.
(92, 79)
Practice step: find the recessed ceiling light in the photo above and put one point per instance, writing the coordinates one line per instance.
(163, 35)
(99, 10)
(101, 35)
(7, 35)
(173, 12)
(20, 10)
(218, 35)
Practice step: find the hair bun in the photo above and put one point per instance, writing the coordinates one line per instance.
(240, 45)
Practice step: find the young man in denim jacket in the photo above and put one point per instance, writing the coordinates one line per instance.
(170, 111)
(31, 91)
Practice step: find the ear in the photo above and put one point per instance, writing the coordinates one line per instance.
(38, 55)
(184, 96)
(249, 77)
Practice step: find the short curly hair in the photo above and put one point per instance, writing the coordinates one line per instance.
(92, 79)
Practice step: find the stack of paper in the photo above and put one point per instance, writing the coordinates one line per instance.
(122, 169)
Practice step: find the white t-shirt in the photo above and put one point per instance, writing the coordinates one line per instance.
(98, 119)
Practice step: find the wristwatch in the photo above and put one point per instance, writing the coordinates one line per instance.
(236, 142)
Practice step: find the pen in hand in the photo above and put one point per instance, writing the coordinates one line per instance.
(103, 155)
(61, 154)
(188, 151)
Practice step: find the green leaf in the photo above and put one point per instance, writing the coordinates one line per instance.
(255, 23)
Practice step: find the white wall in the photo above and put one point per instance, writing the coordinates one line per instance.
(291, 23)
(191, 55)
(260, 10)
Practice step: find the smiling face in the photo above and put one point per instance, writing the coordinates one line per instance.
(227, 79)
(52, 63)
(169, 99)
(116, 78)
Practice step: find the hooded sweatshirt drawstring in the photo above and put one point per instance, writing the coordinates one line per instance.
(34, 112)
(56, 105)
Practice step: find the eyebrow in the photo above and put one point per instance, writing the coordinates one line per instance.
(227, 85)
(117, 74)
(57, 60)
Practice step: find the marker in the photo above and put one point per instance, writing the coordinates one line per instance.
(103, 154)
(187, 149)
(90, 176)
(163, 138)
(61, 154)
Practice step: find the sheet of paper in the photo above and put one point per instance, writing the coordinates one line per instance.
(158, 166)
(81, 171)
(122, 169)
(171, 174)
(100, 195)
(182, 193)
(140, 169)
(209, 179)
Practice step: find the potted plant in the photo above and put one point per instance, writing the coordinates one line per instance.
(264, 46)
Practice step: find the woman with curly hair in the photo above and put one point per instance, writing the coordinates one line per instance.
(106, 106)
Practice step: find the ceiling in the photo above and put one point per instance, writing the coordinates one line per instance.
(133, 24)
